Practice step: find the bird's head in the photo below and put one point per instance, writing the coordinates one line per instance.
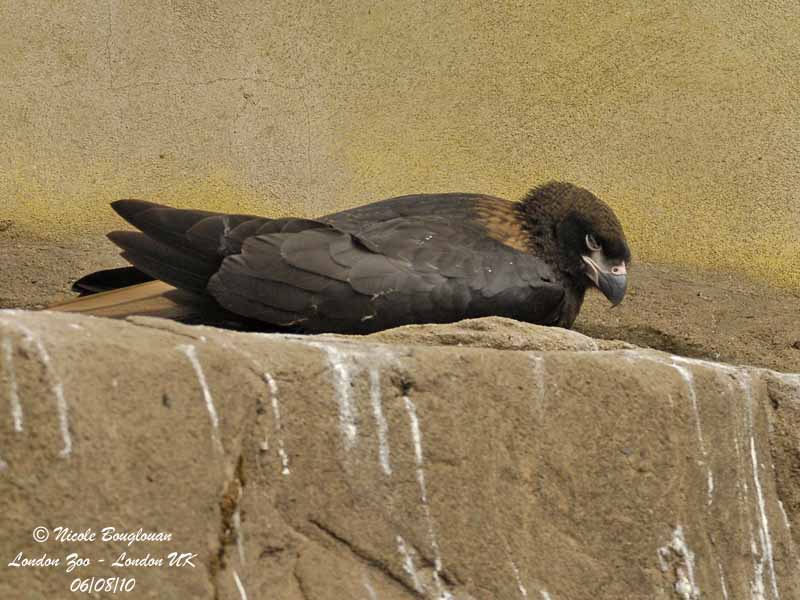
(591, 244)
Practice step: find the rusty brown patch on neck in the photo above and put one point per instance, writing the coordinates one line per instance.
(504, 222)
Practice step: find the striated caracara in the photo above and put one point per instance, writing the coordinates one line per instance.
(429, 258)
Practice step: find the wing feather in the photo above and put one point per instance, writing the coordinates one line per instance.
(404, 260)
(408, 268)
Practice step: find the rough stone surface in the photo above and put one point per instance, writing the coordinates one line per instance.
(495, 332)
(323, 468)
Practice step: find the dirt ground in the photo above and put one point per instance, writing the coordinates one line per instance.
(686, 311)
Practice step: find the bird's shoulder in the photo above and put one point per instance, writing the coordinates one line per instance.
(453, 205)
(472, 214)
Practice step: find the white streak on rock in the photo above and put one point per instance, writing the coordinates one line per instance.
(741, 485)
(545, 595)
(191, 353)
(63, 418)
(276, 411)
(239, 586)
(342, 382)
(237, 528)
(785, 516)
(722, 582)
(704, 363)
(663, 555)
(683, 360)
(688, 379)
(743, 490)
(780, 503)
(686, 375)
(538, 374)
(710, 485)
(764, 536)
(517, 576)
(790, 379)
(56, 385)
(763, 529)
(757, 589)
(380, 421)
(685, 585)
(408, 564)
(13, 390)
(416, 436)
(347, 364)
(370, 590)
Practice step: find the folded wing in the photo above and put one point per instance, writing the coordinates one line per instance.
(421, 269)
(409, 260)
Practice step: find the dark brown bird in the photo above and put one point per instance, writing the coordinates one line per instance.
(430, 258)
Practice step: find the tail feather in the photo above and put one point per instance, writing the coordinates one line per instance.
(163, 223)
(197, 232)
(154, 299)
(109, 279)
(173, 265)
(180, 250)
(179, 246)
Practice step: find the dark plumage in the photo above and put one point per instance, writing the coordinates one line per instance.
(412, 259)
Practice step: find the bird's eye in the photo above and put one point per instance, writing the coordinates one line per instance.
(591, 243)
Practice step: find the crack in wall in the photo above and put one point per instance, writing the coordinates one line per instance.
(361, 554)
(228, 528)
(301, 586)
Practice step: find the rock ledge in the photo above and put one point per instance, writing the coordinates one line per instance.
(485, 459)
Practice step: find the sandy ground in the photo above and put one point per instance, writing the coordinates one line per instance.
(690, 312)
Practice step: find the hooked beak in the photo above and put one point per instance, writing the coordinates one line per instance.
(610, 279)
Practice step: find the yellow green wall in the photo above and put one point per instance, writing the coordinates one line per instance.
(683, 115)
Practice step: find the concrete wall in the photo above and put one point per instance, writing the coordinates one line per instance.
(683, 115)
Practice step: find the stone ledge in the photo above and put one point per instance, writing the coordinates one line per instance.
(331, 467)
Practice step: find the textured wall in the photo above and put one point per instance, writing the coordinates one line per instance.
(684, 116)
